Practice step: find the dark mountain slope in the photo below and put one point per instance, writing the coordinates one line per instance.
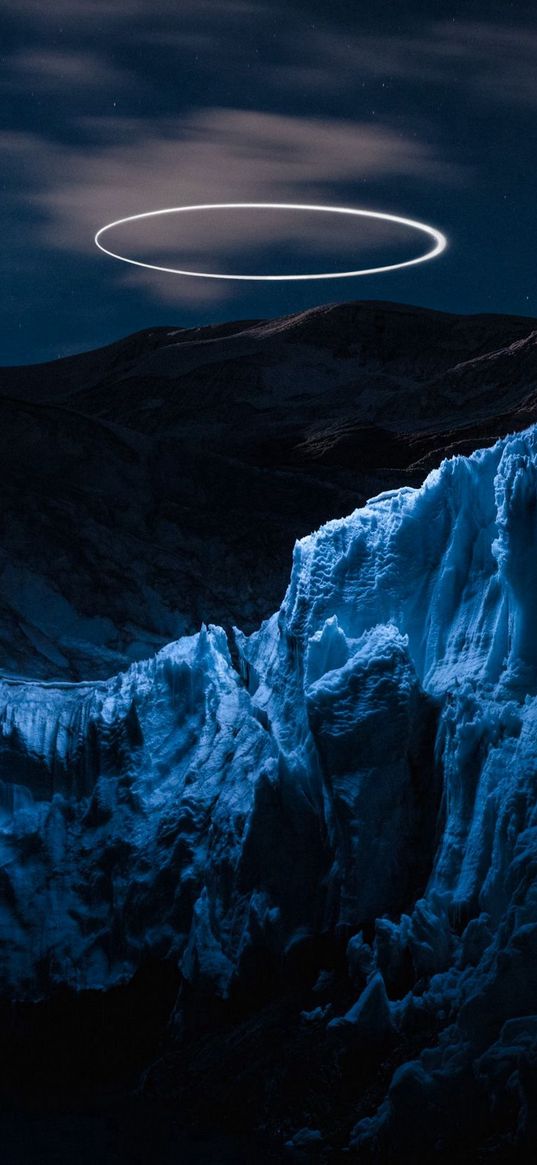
(162, 481)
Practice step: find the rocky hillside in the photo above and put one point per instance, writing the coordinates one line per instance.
(161, 482)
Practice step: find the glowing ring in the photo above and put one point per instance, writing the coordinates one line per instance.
(440, 241)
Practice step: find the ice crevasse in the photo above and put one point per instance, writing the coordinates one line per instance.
(364, 766)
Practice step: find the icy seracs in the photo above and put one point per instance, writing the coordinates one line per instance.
(369, 771)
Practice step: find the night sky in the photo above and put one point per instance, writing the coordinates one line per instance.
(115, 107)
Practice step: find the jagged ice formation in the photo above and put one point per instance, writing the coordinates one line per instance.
(363, 766)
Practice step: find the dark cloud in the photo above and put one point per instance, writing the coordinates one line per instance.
(495, 61)
(57, 71)
(288, 51)
(83, 15)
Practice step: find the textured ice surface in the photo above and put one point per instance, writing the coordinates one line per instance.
(372, 767)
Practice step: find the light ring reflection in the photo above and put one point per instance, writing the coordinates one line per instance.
(439, 241)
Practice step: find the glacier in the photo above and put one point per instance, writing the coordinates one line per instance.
(360, 774)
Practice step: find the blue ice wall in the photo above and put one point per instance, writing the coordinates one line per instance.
(370, 768)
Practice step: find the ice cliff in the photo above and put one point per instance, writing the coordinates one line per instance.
(364, 767)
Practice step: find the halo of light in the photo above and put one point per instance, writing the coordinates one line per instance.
(439, 240)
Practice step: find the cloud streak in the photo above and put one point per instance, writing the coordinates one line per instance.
(491, 61)
(277, 45)
(214, 155)
(55, 71)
